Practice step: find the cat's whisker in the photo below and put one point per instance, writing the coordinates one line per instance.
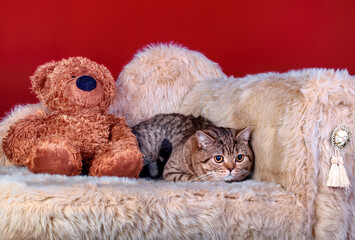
(249, 173)
(203, 176)
(207, 175)
(243, 170)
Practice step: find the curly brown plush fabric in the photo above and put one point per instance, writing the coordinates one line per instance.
(76, 135)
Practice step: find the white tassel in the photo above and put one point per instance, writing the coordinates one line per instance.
(337, 174)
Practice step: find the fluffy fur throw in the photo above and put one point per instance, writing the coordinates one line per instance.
(293, 114)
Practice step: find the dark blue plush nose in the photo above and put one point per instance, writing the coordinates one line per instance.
(86, 83)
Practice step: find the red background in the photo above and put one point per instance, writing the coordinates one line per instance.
(242, 36)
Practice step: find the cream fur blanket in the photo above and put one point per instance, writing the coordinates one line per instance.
(58, 207)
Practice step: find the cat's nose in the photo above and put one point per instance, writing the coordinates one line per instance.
(229, 165)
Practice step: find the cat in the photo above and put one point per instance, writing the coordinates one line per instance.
(216, 154)
(160, 137)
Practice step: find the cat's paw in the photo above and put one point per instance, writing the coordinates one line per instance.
(176, 177)
(206, 177)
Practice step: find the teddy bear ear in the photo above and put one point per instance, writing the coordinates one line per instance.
(39, 78)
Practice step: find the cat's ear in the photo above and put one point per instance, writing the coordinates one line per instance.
(244, 135)
(204, 140)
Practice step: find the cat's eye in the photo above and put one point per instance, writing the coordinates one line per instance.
(218, 158)
(239, 158)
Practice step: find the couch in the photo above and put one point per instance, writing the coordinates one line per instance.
(293, 115)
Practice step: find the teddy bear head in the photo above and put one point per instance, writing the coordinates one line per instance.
(74, 84)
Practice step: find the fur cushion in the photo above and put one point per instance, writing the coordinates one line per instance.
(157, 79)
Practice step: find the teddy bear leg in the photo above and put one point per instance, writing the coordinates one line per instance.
(55, 156)
(117, 160)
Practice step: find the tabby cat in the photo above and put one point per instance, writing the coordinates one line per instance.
(158, 136)
(175, 134)
(217, 154)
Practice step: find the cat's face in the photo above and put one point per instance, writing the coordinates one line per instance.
(227, 154)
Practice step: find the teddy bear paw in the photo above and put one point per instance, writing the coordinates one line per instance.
(55, 158)
(117, 163)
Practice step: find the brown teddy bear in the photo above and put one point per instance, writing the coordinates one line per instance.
(76, 135)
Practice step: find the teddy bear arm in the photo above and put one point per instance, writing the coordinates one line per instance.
(21, 137)
(121, 157)
(117, 159)
(123, 136)
(121, 132)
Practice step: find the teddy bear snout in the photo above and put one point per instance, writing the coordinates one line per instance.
(86, 83)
